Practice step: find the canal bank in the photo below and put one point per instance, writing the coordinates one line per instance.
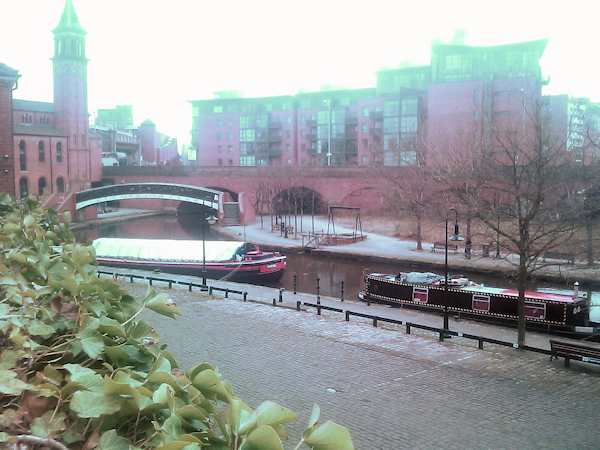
(384, 249)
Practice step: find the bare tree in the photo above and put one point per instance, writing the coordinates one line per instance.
(410, 184)
(521, 187)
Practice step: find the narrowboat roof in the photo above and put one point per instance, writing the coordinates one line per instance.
(528, 294)
(168, 250)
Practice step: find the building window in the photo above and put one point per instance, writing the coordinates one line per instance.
(302, 119)
(365, 143)
(378, 108)
(219, 137)
(22, 156)
(287, 105)
(247, 161)
(230, 162)
(219, 162)
(82, 140)
(219, 149)
(60, 184)
(41, 152)
(219, 123)
(476, 98)
(59, 152)
(229, 122)
(289, 161)
(230, 136)
(288, 133)
(409, 107)
(476, 116)
(23, 187)
(288, 147)
(305, 104)
(268, 107)
(42, 186)
(391, 108)
(302, 133)
(230, 149)
(217, 109)
(246, 135)
(288, 120)
(365, 127)
(345, 101)
(408, 124)
(303, 147)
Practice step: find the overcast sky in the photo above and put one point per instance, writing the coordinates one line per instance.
(158, 54)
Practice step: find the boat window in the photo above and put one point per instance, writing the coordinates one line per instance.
(534, 310)
(481, 302)
(420, 295)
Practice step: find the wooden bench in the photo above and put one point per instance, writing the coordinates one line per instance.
(565, 256)
(442, 246)
(283, 229)
(574, 350)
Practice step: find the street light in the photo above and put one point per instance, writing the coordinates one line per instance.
(329, 135)
(456, 237)
(211, 221)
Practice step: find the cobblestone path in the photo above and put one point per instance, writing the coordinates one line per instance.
(390, 389)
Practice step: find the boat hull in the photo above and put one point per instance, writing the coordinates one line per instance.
(265, 270)
(544, 312)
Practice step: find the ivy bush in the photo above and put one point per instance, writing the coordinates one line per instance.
(79, 371)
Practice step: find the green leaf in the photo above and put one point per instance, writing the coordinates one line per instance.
(10, 385)
(314, 416)
(112, 387)
(176, 445)
(88, 378)
(263, 438)
(111, 327)
(92, 404)
(112, 441)
(330, 436)
(66, 216)
(163, 304)
(208, 382)
(36, 328)
(271, 413)
(172, 428)
(48, 424)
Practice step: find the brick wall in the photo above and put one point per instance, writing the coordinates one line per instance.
(7, 174)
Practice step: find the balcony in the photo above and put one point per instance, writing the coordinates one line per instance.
(351, 135)
(376, 131)
(311, 122)
(268, 153)
(376, 115)
(269, 139)
(351, 120)
(311, 137)
(274, 125)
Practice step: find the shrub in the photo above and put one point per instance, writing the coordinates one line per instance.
(79, 371)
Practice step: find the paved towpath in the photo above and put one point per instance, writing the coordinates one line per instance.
(390, 389)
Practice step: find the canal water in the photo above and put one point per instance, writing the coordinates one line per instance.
(304, 270)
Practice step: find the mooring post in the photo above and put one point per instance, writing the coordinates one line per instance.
(318, 310)
(408, 327)
(170, 284)
(227, 293)
(347, 316)
(342, 289)
(281, 294)
(210, 290)
(298, 305)
(245, 295)
(131, 278)
(274, 302)
(190, 287)
(295, 282)
(375, 322)
(150, 281)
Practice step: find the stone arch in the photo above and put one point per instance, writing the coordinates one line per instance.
(60, 185)
(299, 199)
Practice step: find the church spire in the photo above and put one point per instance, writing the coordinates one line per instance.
(69, 20)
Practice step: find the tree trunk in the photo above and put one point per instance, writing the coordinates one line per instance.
(522, 281)
(590, 242)
(419, 231)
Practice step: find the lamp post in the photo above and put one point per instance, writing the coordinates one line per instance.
(211, 221)
(456, 237)
(329, 135)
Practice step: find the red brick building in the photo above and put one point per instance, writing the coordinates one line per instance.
(463, 97)
(47, 147)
